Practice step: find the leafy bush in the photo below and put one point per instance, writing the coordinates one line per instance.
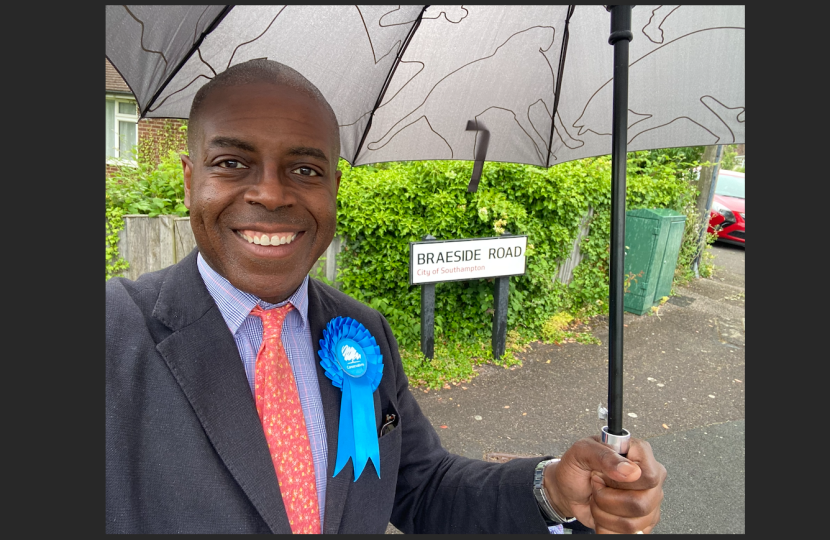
(728, 161)
(149, 188)
(116, 265)
(553, 330)
(382, 209)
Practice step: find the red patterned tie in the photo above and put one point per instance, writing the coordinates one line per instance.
(278, 405)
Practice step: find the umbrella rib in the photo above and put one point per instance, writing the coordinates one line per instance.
(385, 86)
(186, 57)
(562, 55)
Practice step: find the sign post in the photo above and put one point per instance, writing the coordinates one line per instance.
(501, 290)
(433, 261)
(428, 315)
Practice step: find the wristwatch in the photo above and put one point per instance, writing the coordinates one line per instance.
(542, 496)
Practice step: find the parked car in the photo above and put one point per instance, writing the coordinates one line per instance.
(727, 217)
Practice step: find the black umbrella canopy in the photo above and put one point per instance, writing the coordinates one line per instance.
(405, 80)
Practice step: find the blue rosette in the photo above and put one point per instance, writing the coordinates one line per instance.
(352, 360)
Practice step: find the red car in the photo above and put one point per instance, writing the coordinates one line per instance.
(727, 217)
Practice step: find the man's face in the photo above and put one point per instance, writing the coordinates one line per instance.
(264, 172)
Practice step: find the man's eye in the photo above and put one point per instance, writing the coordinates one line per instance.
(231, 164)
(306, 171)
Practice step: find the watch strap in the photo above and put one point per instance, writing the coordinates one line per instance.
(541, 495)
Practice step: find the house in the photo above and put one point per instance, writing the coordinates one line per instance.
(125, 132)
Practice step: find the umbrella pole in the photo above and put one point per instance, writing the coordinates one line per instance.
(621, 35)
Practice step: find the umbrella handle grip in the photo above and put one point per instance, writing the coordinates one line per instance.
(619, 443)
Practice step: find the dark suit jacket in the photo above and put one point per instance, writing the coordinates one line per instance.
(185, 451)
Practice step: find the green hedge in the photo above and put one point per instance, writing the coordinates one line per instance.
(382, 209)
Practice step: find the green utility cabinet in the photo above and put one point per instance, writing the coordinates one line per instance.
(652, 244)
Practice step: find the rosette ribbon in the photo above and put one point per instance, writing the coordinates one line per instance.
(352, 360)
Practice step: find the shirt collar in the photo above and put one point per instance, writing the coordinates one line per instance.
(236, 305)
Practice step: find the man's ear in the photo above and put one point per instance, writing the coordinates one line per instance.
(187, 167)
(337, 176)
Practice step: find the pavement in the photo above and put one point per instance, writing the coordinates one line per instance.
(684, 392)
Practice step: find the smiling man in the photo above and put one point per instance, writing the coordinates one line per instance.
(242, 397)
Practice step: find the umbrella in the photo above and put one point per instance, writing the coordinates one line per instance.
(537, 85)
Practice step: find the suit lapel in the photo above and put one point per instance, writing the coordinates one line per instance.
(321, 309)
(203, 357)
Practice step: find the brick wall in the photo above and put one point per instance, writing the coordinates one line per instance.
(162, 132)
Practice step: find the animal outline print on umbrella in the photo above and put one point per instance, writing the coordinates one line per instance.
(719, 115)
(266, 30)
(525, 52)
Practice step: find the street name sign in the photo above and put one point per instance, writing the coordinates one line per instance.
(434, 261)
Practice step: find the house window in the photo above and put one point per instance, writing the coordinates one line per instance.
(122, 132)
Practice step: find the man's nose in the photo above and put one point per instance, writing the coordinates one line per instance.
(272, 190)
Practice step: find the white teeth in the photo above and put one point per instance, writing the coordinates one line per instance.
(265, 240)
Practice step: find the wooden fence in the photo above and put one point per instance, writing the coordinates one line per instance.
(150, 244)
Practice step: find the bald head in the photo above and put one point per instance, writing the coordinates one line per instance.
(253, 71)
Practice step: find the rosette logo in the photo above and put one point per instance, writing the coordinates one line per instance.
(349, 353)
(350, 358)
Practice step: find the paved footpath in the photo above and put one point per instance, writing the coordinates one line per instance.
(684, 392)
